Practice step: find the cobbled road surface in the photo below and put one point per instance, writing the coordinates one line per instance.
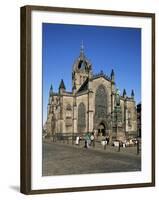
(63, 159)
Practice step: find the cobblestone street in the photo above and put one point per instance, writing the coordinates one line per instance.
(62, 159)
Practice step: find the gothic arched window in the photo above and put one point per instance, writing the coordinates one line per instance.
(68, 115)
(101, 102)
(81, 117)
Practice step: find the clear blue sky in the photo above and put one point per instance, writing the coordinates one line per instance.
(106, 47)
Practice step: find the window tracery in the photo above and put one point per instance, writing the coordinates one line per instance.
(101, 102)
(81, 116)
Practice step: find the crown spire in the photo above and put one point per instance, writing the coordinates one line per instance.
(82, 48)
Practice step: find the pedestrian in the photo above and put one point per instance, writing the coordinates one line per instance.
(105, 143)
(88, 139)
(80, 139)
(95, 134)
(85, 141)
(92, 140)
(107, 139)
(77, 140)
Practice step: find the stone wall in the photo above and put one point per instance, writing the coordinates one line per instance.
(67, 114)
(132, 117)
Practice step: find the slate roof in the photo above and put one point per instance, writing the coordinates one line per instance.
(84, 86)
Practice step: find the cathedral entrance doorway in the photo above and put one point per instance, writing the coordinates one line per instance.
(101, 130)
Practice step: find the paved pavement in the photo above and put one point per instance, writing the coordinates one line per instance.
(61, 159)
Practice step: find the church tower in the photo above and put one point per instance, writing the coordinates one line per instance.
(82, 69)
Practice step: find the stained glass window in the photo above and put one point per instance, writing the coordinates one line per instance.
(101, 102)
(81, 116)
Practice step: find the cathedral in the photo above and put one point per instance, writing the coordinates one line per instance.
(94, 105)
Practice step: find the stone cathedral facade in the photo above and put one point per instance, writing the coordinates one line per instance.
(94, 105)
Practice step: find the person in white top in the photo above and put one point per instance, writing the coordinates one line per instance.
(77, 140)
(92, 140)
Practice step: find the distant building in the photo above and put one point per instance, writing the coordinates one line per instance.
(139, 119)
(93, 105)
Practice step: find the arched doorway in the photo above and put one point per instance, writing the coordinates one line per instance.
(101, 129)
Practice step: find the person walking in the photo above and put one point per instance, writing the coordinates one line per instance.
(85, 141)
(92, 140)
(77, 140)
(107, 139)
(88, 140)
